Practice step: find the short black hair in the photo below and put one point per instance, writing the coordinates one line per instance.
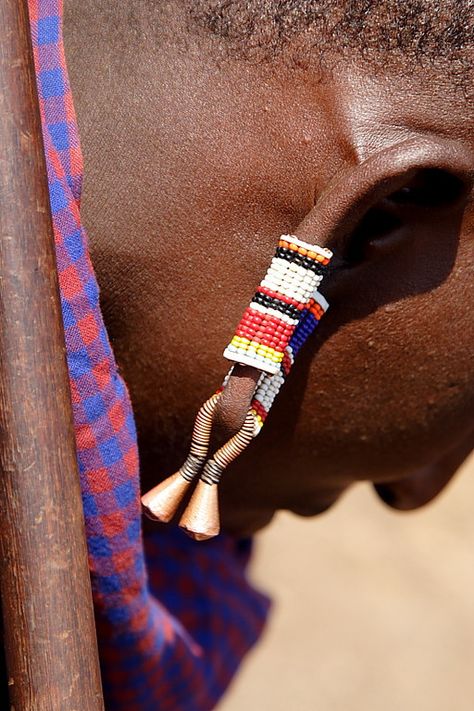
(421, 30)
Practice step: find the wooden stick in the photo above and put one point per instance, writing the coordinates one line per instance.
(50, 642)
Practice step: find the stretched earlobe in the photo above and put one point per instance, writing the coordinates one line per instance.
(283, 313)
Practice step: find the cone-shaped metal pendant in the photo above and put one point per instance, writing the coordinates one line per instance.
(201, 518)
(162, 502)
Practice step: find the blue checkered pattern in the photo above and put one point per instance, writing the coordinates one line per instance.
(174, 617)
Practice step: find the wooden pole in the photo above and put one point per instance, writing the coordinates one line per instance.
(50, 642)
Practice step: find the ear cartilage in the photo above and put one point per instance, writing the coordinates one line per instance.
(282, 315)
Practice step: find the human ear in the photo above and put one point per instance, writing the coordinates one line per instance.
(391, 204)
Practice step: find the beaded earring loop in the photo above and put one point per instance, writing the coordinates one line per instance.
(283, 313)
(268, 323)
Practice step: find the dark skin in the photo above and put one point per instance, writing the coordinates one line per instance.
(194, 167)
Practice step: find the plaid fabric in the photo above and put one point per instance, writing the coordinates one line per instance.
(174, 617)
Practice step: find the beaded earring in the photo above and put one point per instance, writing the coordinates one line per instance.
(283, 313)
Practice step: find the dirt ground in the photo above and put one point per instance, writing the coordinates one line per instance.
(373, 610)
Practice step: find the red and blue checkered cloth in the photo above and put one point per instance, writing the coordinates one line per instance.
(174, 617)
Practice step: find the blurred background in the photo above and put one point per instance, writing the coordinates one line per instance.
(372, 609)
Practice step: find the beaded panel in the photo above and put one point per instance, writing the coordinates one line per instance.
(283, 300)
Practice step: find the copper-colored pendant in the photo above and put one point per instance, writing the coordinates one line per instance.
(162, 502)
(201, 517)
